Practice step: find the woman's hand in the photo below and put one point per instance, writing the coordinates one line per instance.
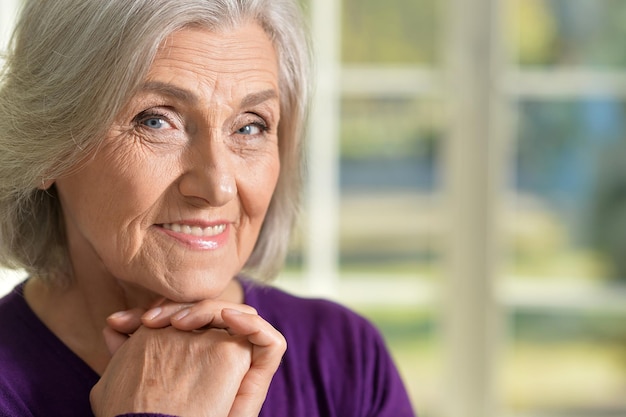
(239, 322)
(173, 372)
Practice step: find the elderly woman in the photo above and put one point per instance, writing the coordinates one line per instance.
(150, 164)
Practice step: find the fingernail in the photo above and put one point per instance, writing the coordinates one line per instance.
(119, 315)
(152, 314)
(181, 314)
(232, 311)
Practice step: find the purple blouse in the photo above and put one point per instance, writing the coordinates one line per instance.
(336, 364)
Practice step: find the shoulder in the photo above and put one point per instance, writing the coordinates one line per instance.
(18, 335)
(341, 355)
(38, 371)
(14, 314)
(14, 347)
(318, 328)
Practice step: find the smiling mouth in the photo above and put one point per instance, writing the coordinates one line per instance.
(195, 231)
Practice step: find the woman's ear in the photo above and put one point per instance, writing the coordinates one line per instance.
(45, 184)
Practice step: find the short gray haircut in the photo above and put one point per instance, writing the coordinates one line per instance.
(72, 60)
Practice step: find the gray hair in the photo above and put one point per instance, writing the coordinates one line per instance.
(72, 60)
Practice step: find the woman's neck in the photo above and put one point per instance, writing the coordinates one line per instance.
(73, 317)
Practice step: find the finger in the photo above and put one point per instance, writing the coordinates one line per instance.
(207, 314)
(248, 403)
(160, 316)
(269, 344)
(268, 348)
(114, 340)
(127, 321)
(258, 331)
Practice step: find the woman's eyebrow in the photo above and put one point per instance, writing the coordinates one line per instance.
(170, 90)
(188, 96)
(254, 99)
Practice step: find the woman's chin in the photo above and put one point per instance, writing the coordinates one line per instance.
(203, 289)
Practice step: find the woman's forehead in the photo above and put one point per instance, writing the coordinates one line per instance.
(242, 47)
(242, 60)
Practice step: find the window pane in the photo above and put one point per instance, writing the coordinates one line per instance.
(388, 219)
(567, 238)
(566, 363)
(570, 32)
(568, 161)
(390, 32)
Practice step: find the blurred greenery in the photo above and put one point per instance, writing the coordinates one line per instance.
(558, 363)
(568, 325)
(569, 32)
(390, 31)
(388, 127)
(570, 156)
(553, 358)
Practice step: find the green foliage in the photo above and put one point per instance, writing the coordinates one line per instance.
(390, 31)
(389, 127)
(570, 32)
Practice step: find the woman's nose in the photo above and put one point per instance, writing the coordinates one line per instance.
(209, 178)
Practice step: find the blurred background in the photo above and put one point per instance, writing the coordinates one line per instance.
(467, 193)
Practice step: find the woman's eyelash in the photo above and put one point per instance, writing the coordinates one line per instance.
(147, 115)
(258, 122)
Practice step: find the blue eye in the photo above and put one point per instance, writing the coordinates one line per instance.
(155, 123)
(251, 129)
(153, 119)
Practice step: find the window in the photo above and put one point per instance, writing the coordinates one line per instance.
(474, 185)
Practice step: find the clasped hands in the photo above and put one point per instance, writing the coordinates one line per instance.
(209, 359)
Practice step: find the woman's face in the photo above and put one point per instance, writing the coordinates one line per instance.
(174, 199)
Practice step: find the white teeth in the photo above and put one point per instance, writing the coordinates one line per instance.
(195, 230)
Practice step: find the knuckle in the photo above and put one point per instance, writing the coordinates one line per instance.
(281, 342)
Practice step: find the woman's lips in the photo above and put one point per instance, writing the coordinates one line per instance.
(198, 237)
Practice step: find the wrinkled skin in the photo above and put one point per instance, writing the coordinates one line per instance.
(237, 362)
